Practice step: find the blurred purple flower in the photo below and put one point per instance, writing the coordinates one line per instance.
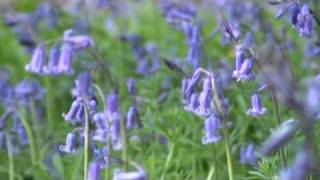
(256, 109)
(94, 171)
(212, 125)
(133, 118)
(132, 89)
(70, 146)
(38, 60)
(65, 60)
(79, 41)
(247, 155)
(52, 67)
(140, 174)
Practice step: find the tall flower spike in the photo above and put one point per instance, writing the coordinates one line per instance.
(256, 109)
(247, 155)
(70, 146)
(38, 60)
(94, 171)
(65, 60)
(211, 127)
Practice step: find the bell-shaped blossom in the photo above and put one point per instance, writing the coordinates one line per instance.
(133, 117)
(256, 106)
(247, 155)
(212, 125)
(52, 67)
(65, 60)
(38, 60)
(94, 172)
(79, 41)
(70, 146)
(132, 89)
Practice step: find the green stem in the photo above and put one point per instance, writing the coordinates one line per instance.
(32, 142)
(228, 148)
(86, 141)
(278, 118)
(100, 61)
(213, 165)
(35, 122)
(49, 108)
(168, 161)
(10, 157)
(125, 156)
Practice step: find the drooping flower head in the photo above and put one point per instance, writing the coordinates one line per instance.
(38, 60)
(256, 109)
(65, 60)
(212, 125)
(247, 155)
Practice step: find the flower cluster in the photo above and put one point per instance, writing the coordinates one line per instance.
(60, 60)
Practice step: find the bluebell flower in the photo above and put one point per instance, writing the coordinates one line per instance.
(100, 120)
(245, 72)
(94, 172)
(22, 135)
(133, 117)
(194, 55)
(205, 98)
(193, 104)
(305, 21)
(247, 155)
(256, 109)
(140, 174)
(132, 89)
(239, 60)
(79, 41)
(177, 14)
(83, 85)
(212, 125)
(115, 130)
(70, 145)
(71, 116)
(29, 89)
(38, 60)
(229, 30)
(65, 60)
(101, 135)
(192, 33)
(52, 67)
(192, 83)
(113, 109)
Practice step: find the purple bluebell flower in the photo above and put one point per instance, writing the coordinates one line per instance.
(243, 70)
(70, 146)
(247, 155)
(212, 125)
(140, 174)
(113, 109)
(279, 137)
(71, 116)
(101, 135)
(194, 55)
(52, 67)
(305, 21)
(132, 89)
(29, 89)
(192, 33)
(133, 117)
(94, 172)
(65, 60)
(116, 133)
(22, 135)
(80, 41)
(192, 83)
(38, 60)
(256, 109)
(177, 14)
(229, 30)
(83, 84)
(300, 168)
(193, 104)
(205, 98)
(100, 120)
(143, 66)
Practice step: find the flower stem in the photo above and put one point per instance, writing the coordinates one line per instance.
(32, 142)
(10, 157)
(228, 148)
(49, 107)
(86, 141)
(125, 156)
(278, 118)
(168, 161)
